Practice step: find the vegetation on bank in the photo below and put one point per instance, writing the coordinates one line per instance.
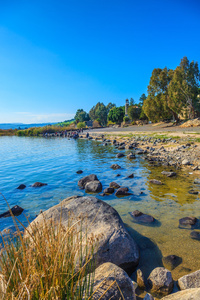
(47, 263)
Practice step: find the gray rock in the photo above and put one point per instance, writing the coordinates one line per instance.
(190, 294)
(123, 191)
(138, 216)
(120, 155)
(114, 185)
(15, 210)
(109, 190)
(82, 182)
(193, 192)
(100, 220)
(115, 166)
(38, 184)
(131, 156)
(189, 281)
(168, 174)
(21, 187)
(185, 162)
(107, 274)
(79, 172)
(122, 147)
(148, 297)
(130, 176)
(155, 181)
(197, 181)
(93, 187)
(161, 281)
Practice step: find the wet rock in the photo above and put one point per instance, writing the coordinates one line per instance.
(114, 245)
(187, 222)
(168, 174)
(109, 190)
(171, 261)
(115, 166)
(16, 211)
(138, 216)
(161, 281)
(21, 187)
(131, 156)
(38, 184)
(148, 297)
(114, 185)
(93, 187)
(118, 175)
(79, 172)
(190, 294)
(140, 280)
(197, 181)
(82, 182)
(140, 151)
(155, 181)
(193, 192)
(105, 276)
(123, 191)
(129, 147)
(185, 162)
(195, 235)
(120, 155)
(130, 176)
(189, 281)
(121, 147)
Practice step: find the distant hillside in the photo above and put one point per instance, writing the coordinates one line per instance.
(65, 123)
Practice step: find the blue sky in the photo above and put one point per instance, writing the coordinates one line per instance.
(58, 56)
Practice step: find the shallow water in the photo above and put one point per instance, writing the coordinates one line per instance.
(55, 162)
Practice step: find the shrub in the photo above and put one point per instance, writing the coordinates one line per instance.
(81, 125)
(126, 119)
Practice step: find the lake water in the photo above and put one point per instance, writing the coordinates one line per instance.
(55, 162)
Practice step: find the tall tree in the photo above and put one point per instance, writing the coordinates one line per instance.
(81, 116)
(184, 88)
(116, 114)
(131, 103)
(99, 111)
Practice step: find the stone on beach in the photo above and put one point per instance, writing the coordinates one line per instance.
(168, 174)
(171, 261)
(38, 184)
(189, 294)
(109, 190)
(155, 181)
(195, 235)
(106, 275)
(187, 222)
(131, 156)
(197, 181)
(161, 281)
(114, 185)
(123, 191)
(83, 181)
(185, 162)
(98, 219)
(189, 281)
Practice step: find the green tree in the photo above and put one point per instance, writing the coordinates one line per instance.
(81, 125)
(184, 88)
(116, 114)
(134, 112)
(81, 116)
(131, 103)
(99, 111)
(109, 106)
(155, 106)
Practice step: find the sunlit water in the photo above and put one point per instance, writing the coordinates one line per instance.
(55, 162)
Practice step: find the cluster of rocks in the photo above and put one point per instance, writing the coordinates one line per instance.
(36, 184)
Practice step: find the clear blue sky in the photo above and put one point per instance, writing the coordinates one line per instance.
(58, 56)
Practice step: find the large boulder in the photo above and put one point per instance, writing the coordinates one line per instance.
(111, 282)
(99, 220)
(190, 294)
(93, 187)
(189, 281)
(161, 281)
(83, 181)
(15, 211)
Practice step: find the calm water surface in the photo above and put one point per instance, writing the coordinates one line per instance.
(55, 162)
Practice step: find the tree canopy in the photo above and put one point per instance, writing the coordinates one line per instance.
(81, 116)
(116, 114)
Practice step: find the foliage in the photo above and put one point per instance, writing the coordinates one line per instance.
(81, 116)
(81, 125)
(110, 123)
(65, 123)
(47, 264)
(38, 131)
(131, 103)
(96, 124)
(116, 114)
(134, 112)
(100, 112)
(125, 119)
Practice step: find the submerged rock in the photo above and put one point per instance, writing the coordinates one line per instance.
(38, 184)
(195, 235)
(168, 174)
(138, 216)
(171, 261)
(120, 155)
(21, 187)
(187, 222)
(197, 181)
(115, 166)
(109, 190)
(131, 156)
(93, 187)
(99, 220)
(16, 211)
(105, 276)
(123, 191)
(83, 181)
(161, 281)
(155, 181)
(193, 192)
(130, 176)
